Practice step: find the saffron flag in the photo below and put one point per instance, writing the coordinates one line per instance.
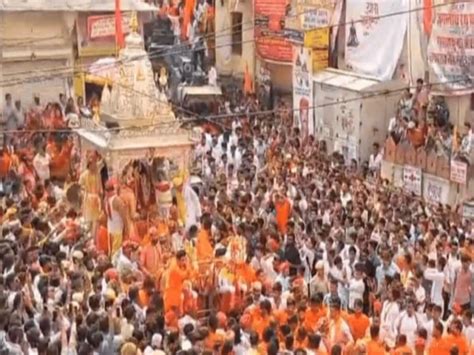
(187, 16)
(118, 25)
(427, 16)
(248, 85)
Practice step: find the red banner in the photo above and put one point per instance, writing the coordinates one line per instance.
(270, 39)
(103, 27)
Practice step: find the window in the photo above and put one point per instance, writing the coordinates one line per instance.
(236, 32)
(472, 102)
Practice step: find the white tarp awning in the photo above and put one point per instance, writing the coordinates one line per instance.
(103, 70)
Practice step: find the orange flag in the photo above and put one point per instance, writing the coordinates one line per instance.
(187, 16)
(248, 85)
(118, 25)
(427, 16)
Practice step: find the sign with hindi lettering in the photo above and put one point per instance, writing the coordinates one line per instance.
(458, 172)
(315, 13)
(303, 90)
(271, 41)
(374, 36)
(412, 178)
(435, 189)
(451, 47)
(99, 27)
(318, 40)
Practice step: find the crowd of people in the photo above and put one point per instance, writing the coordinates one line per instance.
(423, 122)
(281, 249)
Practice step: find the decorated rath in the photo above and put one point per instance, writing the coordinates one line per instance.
(134, 120)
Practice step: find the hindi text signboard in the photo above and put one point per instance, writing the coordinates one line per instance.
(100, 27)
(270, 39)
(458, 172)
(451, 47)
(318, 40)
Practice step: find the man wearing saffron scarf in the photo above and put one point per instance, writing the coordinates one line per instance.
(175, 281)
(204, 249)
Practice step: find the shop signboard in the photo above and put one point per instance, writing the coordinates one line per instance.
(318, 40)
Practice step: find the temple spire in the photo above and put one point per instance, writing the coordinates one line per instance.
(134, 23)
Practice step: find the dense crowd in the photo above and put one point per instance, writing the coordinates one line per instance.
(423, 122)
(280, 249)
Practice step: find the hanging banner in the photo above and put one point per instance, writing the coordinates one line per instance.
(318, 41)
(374, 36)
(451, 47)
(458, 172)
(412, 180)
(270, 39)
(303, 90)
(417, 42)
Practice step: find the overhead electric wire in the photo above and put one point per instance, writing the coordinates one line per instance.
(236, 115)
(160, 53)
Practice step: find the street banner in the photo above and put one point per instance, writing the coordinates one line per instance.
(303, 90)
(458, 172)
(270, 39)
(374, 36)
(412, 180)
(451, 48)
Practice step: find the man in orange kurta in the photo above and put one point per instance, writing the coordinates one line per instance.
(5, 163)
(374, 345)
(439, 344)
(204, 250)
(283, 212)
(177, 274)
(315, 312)
(358, 321)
